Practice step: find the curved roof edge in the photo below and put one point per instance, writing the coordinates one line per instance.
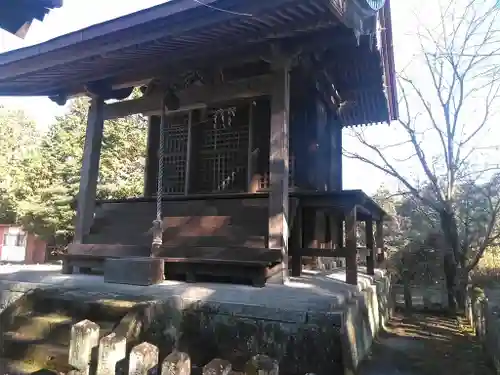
(16, 16)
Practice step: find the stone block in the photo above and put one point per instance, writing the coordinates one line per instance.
(143, 359)
(134, 271)
(112, 349)
(217, 366)
(176, 363)
(262, 365)
(84, 338)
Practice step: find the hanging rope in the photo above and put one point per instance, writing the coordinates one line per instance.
(158, 222)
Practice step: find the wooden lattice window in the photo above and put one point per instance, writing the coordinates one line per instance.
(223, 152)
(175, 153)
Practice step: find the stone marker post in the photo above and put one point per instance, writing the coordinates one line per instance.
(112, 349)
(84, 338)
(217, 366)
(176, 363)
(261, 364)
(143, 359)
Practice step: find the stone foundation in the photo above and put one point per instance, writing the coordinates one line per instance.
(315, 323)
(484, 316)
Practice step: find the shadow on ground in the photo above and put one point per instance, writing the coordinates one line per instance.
(423, 344)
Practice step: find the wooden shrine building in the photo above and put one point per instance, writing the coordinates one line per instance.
(246, 103)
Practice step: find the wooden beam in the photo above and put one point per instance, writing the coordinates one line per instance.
(90, 169)
(194, 97)
(278, 165)
(317, 252)
(370, 259)
(297, 243)
(336, 152)
(351, 247)
(379, 240)
(312, 42)
(151, 168)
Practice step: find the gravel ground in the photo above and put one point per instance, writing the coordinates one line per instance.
(11, 268)
(427, 345)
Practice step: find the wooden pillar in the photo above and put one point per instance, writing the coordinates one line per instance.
(278, 166)
(379, 240)
(90, 169)
(154, 123)
(337, 236)
(351, 247)
(370, 259)
(339, 224)
(322, 150)
(297, 242)
(337, 156)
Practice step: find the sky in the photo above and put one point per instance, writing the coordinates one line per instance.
(77, 14)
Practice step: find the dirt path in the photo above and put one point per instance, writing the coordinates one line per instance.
(426, 345)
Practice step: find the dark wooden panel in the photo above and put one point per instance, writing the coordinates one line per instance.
(107, 250)
(189, 223)
(134, 271)
(229, 255)
(235, 222)
(255, 274)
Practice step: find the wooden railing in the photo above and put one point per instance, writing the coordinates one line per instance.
(144, 359)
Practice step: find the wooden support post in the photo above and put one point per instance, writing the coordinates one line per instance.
(278, 166)
(337, 234)
(339, 223)
(187, 182)
(379, 240)
(151, 169)
(90, 169)
(352, 248)
(336, 162)
(370, 259)
(297, 242)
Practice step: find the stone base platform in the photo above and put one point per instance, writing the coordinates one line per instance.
(315, 323)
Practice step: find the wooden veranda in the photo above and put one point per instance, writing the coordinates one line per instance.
(246, 103)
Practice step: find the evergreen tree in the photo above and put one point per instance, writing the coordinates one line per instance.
(18, 142)
(55, 170)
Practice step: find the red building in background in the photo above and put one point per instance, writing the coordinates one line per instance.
(18, 246)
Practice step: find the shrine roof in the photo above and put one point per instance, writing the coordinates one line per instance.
(16, 15)
(128, 49)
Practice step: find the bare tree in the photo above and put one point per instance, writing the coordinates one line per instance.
(448, 98)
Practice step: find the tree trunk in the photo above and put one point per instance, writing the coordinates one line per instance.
(407, 291)
(461, 287)
(450, 274)
(452, 256)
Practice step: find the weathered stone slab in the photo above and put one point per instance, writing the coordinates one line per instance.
(134, 271)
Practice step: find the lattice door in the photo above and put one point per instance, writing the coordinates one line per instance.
(175, 153)
(223, 153)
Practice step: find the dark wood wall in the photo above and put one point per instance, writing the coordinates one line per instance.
(315, 146)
